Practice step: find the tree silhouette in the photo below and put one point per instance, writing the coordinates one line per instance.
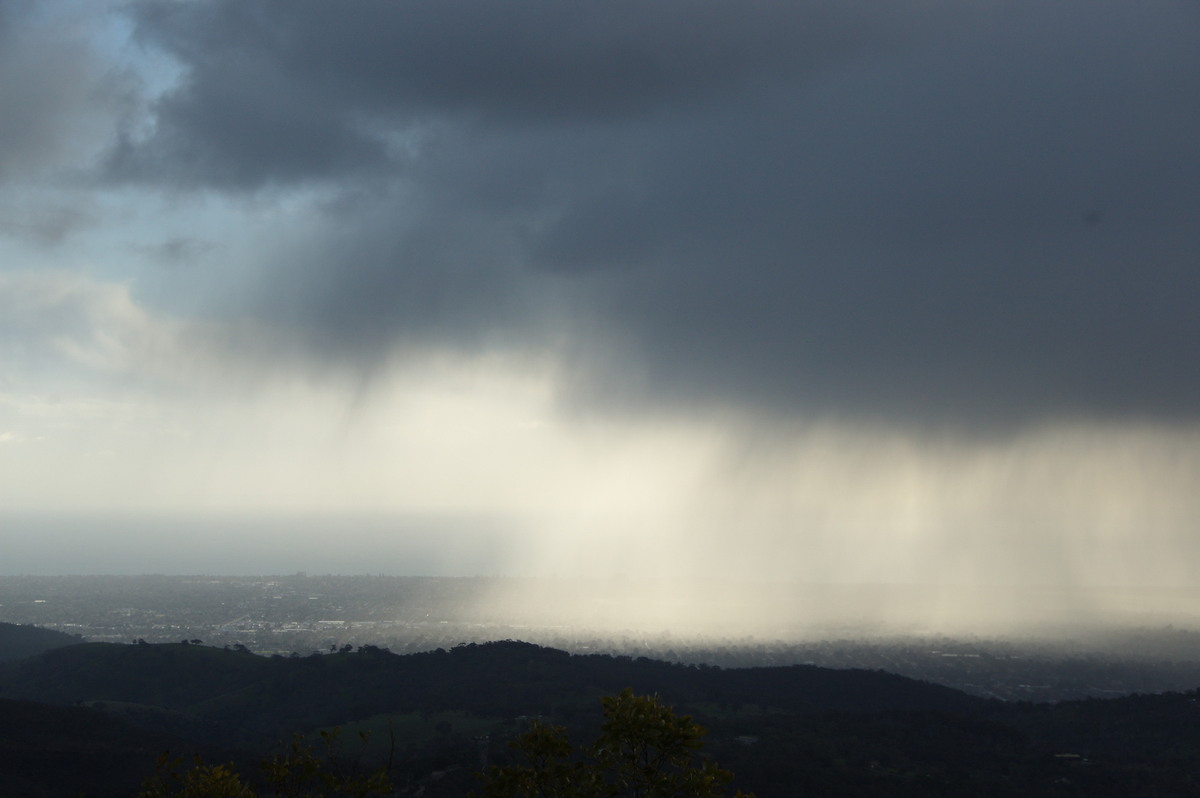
(644, 750)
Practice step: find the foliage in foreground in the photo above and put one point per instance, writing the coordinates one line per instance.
(297, 773)
(644, 750)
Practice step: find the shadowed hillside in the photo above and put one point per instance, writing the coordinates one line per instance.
(20, 641)
(48, 750)
(237, 695)
(783, 731)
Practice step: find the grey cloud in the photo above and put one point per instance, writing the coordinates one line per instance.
(58, 100)
(46, 223)
(54, 92)
(176, 251)
(985, 215)
(364, 285)
(280, 92)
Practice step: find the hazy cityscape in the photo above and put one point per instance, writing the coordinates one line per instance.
(299, 614)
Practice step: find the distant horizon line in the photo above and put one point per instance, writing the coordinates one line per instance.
(626, 578)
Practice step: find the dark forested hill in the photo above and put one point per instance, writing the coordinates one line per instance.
(20, 641)
(48, 750)
(254, 697)
(167, 675)
(784, 731)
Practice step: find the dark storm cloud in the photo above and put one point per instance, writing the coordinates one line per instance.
(50, 91)
(58, 99)
(279, 91)
(925, 212)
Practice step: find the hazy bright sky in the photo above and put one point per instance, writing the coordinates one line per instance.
(832, 291)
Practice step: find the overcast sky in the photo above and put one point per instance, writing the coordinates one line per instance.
(833, 291)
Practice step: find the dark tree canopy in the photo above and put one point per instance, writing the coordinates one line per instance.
(644, 750)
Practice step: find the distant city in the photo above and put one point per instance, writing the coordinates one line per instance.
(301, 614)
